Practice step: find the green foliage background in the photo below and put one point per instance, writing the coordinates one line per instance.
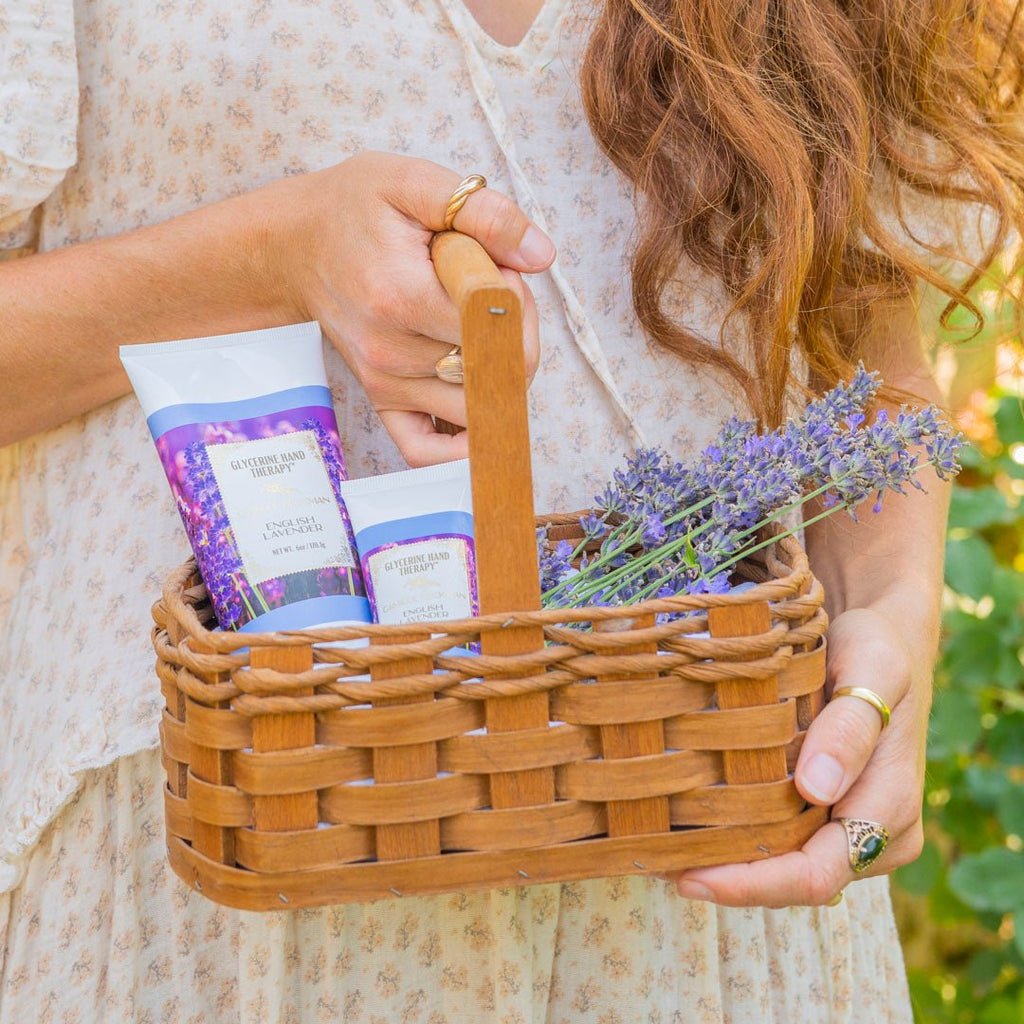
(960, 907)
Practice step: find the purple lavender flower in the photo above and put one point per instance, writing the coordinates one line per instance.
(682, 528)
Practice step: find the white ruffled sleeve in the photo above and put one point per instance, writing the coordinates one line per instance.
(38, 110)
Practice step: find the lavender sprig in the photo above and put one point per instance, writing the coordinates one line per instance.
(667, 529)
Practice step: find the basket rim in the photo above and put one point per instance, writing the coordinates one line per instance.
(175, 603)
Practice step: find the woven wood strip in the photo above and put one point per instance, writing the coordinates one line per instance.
(277, 772)
(457, 872)
(670, 638)
(523, 827)
(804, 674)
(211, 764)
(177, 819)
(174, 741)
(313, 849)
(590, 666)
(758, 803)
(206, 689)
(502, 752)
(168, 683)
(224, 806)
(744, 648)
(809, 632)
(175, 768)
(308, 703)
(584, 704)
(736, 671)
(395, 802)
(360, 691)
(752, 763)
(513, 686)
(733, 728)
(621, 740)
(635, 777)
(793, 751)
(376, 727)
(402, 763)
(197, 655)
(218, 728)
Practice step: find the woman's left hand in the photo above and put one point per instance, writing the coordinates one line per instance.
(849, 761)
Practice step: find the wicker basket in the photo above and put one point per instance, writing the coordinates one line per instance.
(577, 744)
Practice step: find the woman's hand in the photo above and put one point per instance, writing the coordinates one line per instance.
(849, 761)
(347, 246)
(355, 256)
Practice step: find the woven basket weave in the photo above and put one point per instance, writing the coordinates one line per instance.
(583, 743)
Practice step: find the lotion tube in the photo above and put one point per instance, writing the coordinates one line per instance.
(414, 534)
(245, 429)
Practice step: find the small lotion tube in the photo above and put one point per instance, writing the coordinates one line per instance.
(245, 429)
(414, 534)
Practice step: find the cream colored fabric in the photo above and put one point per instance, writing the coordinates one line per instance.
(183, 102)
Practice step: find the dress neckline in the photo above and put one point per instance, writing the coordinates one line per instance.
(536, 38)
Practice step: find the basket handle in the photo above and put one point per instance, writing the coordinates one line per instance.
(499, 436)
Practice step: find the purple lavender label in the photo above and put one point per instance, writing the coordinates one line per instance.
(422, 579)
(261, 504)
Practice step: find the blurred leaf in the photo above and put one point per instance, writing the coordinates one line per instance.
(1001, 1010)
(920, 875)
(972, 457)
(972, 827)
(974, 656)
(955, 726)
(1006, 740)
(974, 508)
(1009, 420)
(986, 785)
(969, 566)
(990, 880)
(1018, 932)
(1008, 591)
(946, 908)
(1010, 810)
(985, 966)
(928, 1005)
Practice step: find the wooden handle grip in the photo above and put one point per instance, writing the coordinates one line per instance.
(499, 438)
(463, 266)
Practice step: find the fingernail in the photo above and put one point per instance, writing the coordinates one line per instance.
(822, 777)
(694, 891)
(536, 248)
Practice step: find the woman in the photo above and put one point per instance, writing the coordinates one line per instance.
(244, 167)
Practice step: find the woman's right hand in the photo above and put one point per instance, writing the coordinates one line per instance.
(353, 242)
(348, 246)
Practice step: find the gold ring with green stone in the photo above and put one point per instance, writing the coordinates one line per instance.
(866, 841)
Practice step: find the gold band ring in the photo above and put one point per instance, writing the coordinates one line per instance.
(836, 900)
(449, 368)
(863, 693)
(465, 189)
(865, 841)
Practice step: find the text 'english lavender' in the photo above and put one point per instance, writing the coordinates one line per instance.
(666, 529)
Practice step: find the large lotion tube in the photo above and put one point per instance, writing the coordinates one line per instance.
(245, 428)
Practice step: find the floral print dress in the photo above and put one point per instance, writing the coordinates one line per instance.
(120, 113)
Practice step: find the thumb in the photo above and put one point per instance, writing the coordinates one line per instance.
(842, 738)
(421, 190)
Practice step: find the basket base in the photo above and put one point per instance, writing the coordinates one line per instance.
(457, 872)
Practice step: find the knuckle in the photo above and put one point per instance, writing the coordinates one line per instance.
(502, 221)
(381, 361)
(850, 730)
(822, 883)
